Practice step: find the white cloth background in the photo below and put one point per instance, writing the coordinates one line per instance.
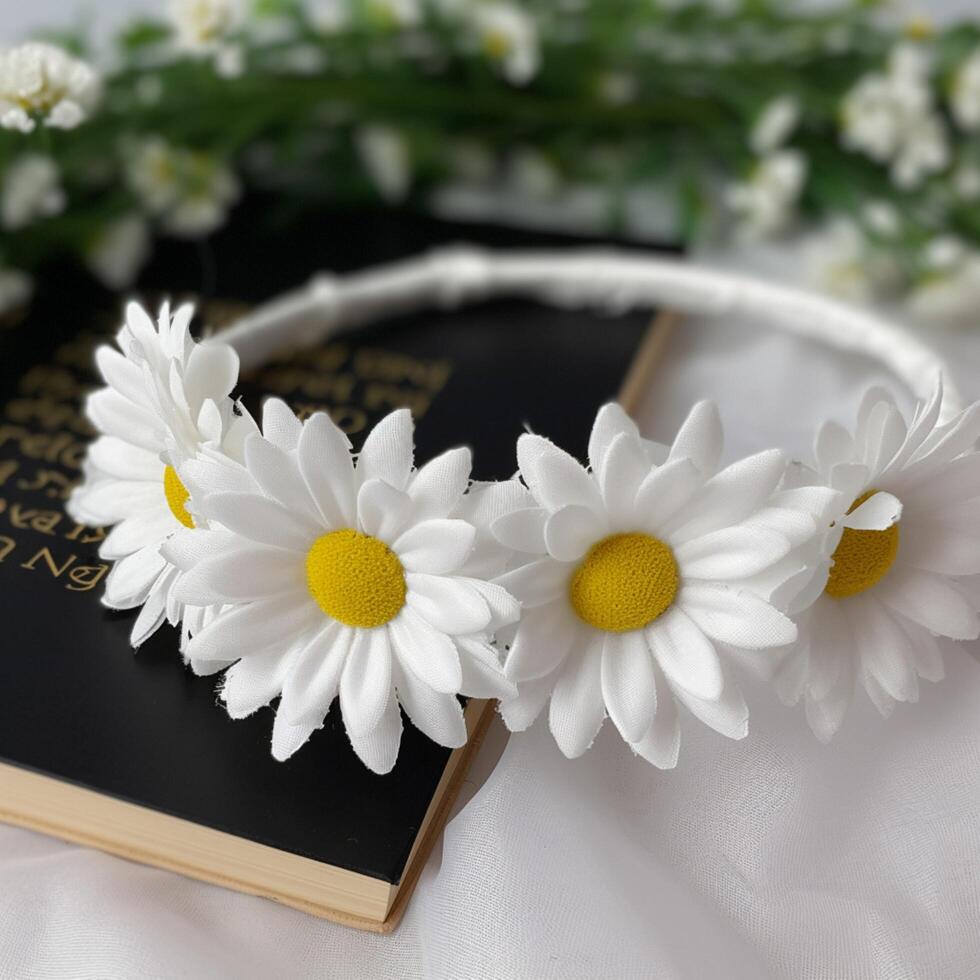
(775, 857)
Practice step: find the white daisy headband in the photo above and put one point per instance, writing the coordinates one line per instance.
(628, 588)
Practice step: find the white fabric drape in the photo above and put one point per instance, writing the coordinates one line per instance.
(775, 857)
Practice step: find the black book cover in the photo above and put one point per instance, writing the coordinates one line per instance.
(76, 702)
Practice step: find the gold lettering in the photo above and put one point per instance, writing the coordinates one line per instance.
(85, 577)
(8, 468)
(6, 546)
(48, 558)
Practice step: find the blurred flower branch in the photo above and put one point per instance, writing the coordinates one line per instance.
(725, 118)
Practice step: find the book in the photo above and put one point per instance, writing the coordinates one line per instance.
(127, 751)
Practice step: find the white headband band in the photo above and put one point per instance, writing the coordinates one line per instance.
(614, 281)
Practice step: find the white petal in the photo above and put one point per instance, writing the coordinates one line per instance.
(388, 450)
(450, 605)
(504, 608)
(686, 656)
(276, 472)
(959, 480)
(661, 743)
(113, 415)
(438, 546)
(664, 491)
(833, 445)
(288, 739)
(730, 496)
(122, 374)
(365, 684)
(831, 645)
(629, 684)
(211, 372)
(555, 478)
(124, 461)
(521, 711)
(110, 501)
(537, 582)
(314, 676)
(879, 512)
(280, 425)
(252, 683)
(482, 676)
(826, 715)
(522, 530)
(261, 520)
(700, 438)
(930, 601)
(544, 639)
(570, 531)
(325, 462)
(730, 553)
(131, 578)
(610, 422)
(623, 469)
(381, 509)
(254, 629)
(438, 486)
(927, 657)
(577, 711)
(152, 616)
(241, 575)
(736, 616)
(944, 548)
(429, 654)
(883, 646)
(728, 714)
(137, 532)
(378, 749)
(438, 716)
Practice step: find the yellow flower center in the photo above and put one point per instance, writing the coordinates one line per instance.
(355, 579)
(177, 496)
(496, 44)
(862, 558)
(624, 583)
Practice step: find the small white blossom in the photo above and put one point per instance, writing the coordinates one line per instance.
(841, 261)
(890, 116)
(31, 190)
(964, 96)
(882, 218)
(189, 191)
(120, 251)
(775, 124)
(15, 289)
(386, 156)
(509, 37)
(950, 290)
(395, 14)
(41, 82)
(766, 202)
(533, 175)
(329, 16)
(966, 181)
(203, 26)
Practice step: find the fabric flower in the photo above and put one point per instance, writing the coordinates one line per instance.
(41, 82)
(31, 190)
(203, 26)
(344, 581)
(165, 398)
(509, 38)
(641, 577)
(889, 580)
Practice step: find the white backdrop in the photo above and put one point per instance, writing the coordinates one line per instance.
(772, 857)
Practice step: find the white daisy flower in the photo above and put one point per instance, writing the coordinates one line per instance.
(964, 96)
(508, 36)
(31, 190)
(43, 83)
(640, 577)
(890, 579)
(165, 398)
(341, 581)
